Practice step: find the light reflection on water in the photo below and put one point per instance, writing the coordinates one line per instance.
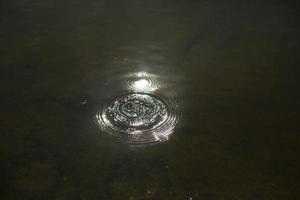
(142, 82)
(138, 115)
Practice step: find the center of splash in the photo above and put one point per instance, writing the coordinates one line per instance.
(135, 113)
(139, 118)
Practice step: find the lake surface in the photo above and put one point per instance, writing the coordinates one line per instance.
(158, 100)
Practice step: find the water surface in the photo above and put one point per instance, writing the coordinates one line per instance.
(229, 67)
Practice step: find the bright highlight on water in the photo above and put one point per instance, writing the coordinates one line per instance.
(142, 82)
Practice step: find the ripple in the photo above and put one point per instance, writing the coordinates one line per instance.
(142, 82)
(139, 118)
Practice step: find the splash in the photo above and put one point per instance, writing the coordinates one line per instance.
(139, 116)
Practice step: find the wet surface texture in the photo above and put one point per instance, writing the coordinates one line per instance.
(149, 100)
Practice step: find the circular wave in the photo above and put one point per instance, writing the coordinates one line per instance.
(139, 118)
(142, 85)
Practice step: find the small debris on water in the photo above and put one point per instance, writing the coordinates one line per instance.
(83, 102)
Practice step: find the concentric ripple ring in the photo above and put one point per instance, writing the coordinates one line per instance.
(139, 118)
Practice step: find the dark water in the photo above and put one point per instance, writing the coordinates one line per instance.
(212, 86)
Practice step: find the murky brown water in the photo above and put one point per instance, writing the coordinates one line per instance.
(211, 85)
